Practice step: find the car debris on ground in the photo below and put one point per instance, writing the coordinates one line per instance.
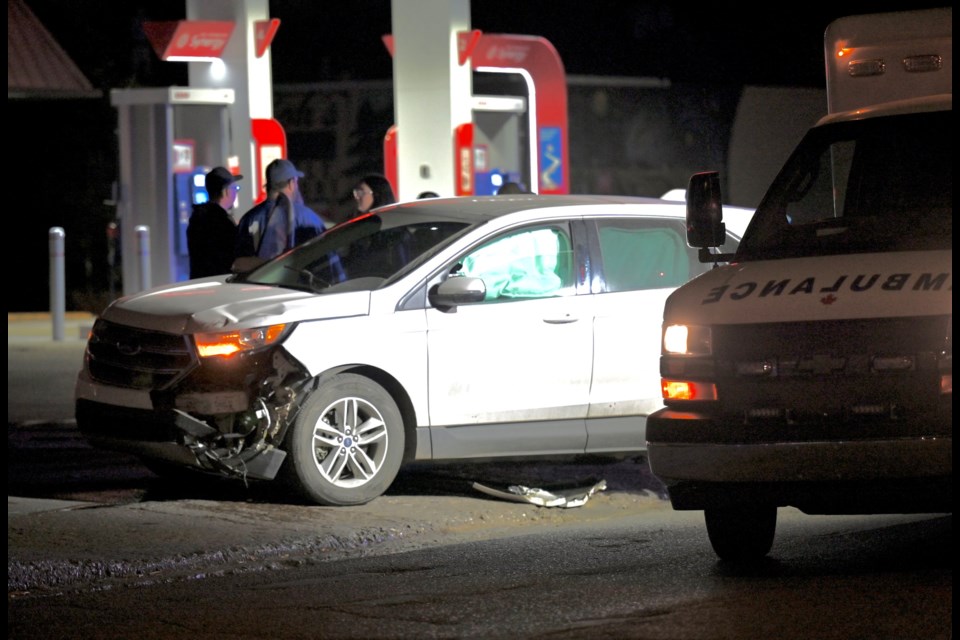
(566, 498)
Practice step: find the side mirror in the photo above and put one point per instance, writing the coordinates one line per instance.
(705, 226)
(457, 290)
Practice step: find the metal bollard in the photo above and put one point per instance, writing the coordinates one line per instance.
(143, 252)
(58, 297)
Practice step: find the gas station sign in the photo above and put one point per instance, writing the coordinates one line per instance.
(263, 33)
(187, 40)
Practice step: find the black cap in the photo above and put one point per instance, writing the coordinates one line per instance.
(218, 179)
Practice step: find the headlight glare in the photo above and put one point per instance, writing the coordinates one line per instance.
(687, 340)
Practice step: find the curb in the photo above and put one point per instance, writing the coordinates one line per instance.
(44, 316)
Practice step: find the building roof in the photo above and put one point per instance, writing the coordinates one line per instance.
(37, 66)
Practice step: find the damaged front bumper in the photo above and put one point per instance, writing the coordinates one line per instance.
(222, 418)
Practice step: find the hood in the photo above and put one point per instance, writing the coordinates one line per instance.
(211, 304)
(877, 285)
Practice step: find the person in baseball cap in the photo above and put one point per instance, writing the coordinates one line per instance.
(218, 179)
(212, 231)
(280, 172)
(280, 222)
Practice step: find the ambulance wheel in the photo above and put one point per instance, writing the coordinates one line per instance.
(741, 533)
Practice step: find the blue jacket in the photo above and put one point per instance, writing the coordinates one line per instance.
(261, 229)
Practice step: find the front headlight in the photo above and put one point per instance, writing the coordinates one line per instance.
(227, 343)
(687, 340)
(689, 376)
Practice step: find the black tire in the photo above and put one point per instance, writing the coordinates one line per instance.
(741, 533)
(327, 463)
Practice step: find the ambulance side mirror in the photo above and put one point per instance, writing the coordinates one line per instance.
(705, 226)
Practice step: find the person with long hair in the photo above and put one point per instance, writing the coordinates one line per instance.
(280, 222)
(372, 191)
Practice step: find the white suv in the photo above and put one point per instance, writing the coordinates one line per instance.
(441, 329)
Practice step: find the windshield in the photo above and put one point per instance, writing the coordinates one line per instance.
(360, 254)
(875, 185)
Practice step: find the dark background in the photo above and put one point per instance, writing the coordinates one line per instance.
(64, 171)
(769, 44)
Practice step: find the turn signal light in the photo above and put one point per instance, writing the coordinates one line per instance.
(685, 390)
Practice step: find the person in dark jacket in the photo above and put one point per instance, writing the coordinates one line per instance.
(212, 231)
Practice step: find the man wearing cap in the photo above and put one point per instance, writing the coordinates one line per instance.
(212, 231)
(280, 222)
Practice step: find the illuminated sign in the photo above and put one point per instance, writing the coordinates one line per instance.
(183, 156)
(189, 40)
(263, 32)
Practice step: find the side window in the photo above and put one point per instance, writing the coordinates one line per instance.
(642, 254)
(818, 193)
(529, 263)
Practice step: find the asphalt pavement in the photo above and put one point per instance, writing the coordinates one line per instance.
(41, 372)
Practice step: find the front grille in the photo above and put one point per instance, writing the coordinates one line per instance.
(854, 340)
(136, 358)
(822, 378)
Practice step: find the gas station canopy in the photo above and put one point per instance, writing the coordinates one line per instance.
(37, 66)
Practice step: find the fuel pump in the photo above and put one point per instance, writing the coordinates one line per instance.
(518, 127)
(188, 190)
(169, 138)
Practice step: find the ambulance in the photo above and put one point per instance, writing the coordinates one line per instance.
(813, 367)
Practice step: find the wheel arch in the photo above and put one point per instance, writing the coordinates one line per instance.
(396, 391)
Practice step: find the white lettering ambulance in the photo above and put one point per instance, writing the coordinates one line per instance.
(815, 369)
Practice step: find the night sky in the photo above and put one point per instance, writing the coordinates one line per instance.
(325, 40)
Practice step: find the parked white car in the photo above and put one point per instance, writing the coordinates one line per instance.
(442, 329)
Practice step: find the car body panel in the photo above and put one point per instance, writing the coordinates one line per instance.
(623, 336)
(212, 304)
(511, 362)
(545, 365)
